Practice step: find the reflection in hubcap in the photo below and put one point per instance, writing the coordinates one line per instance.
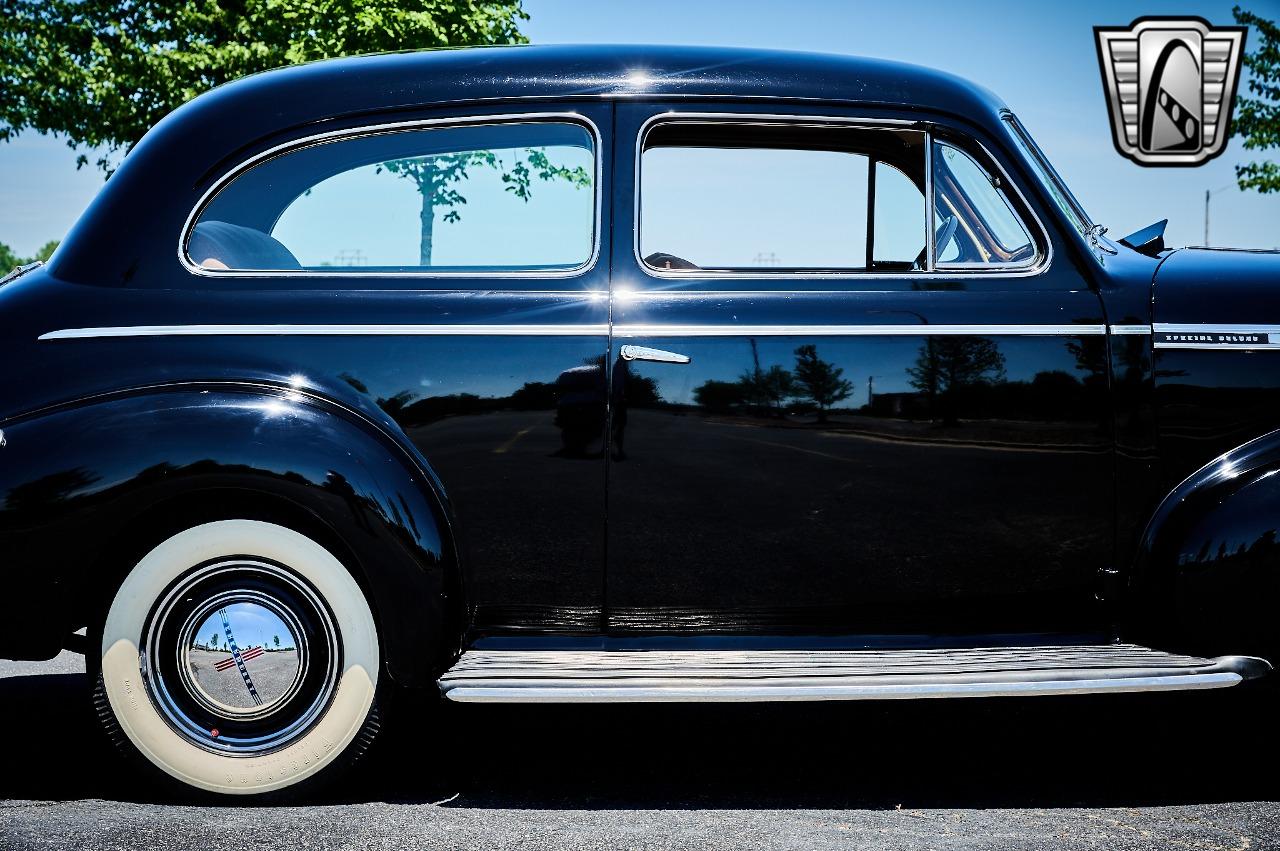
(244, 658)
(241, 656)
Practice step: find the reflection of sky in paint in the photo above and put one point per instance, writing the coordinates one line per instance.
(497, 368)
(251, 624)
(885, 358)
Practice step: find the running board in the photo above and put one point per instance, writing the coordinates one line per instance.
(648, 676)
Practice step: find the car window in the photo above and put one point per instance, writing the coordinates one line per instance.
(975, 223)
(1049, 179)
(781, 198)
(471, 199)
(899, 237)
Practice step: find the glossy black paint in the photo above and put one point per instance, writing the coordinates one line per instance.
(475, 416)
(897, 516)
(104, 479)
(1209, 567)
(1208, 570)
(487, 488)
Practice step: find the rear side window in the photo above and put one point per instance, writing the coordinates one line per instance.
(486, 198)
(777, 198)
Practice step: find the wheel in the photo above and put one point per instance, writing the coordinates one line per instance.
(240, 657)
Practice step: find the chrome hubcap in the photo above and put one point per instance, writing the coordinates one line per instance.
(241, 656)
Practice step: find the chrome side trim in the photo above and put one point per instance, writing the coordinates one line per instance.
(1196, 328)
(644, 353)
(1172, 335)
(605, 691)
(1039, 265)
(401, 127)
(1131, 330)
(590, 676)
(642, 330)
(19, 271)
(593, 330)
(585, 329)
(930, 210)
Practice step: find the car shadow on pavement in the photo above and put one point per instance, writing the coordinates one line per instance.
(1138, 750)
(1048, 752)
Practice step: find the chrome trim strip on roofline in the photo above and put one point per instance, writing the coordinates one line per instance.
(584, 329)
(1130, 330)
(401, 127)
(1043, 260)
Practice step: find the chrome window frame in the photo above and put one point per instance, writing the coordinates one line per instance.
(369, 130)
(1039, 264)
(1043, 169)
(953, 266)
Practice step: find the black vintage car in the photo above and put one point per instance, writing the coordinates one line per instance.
(620, 374)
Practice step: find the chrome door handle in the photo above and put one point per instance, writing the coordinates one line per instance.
(655, 355)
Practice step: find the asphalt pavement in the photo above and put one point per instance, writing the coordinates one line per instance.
(1187, 771)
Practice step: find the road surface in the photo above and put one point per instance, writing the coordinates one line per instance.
(1180, 772)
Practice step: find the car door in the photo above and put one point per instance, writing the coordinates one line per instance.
(444, 273)
(840, 409)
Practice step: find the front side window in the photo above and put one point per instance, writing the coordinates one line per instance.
(760, 198)
(472, 199)
(779, 198)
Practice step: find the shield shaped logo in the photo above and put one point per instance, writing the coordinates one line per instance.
(1170, 85)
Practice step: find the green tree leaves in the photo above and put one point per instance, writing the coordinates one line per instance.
(438, 177)
(9, 260)
(1257, 118)
(101, 73)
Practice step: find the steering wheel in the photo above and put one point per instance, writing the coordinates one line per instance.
(945, 233)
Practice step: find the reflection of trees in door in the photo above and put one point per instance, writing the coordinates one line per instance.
(823, 381)
(813, 384)
(947, 365)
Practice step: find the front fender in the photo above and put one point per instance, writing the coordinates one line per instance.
(1207, 577)
(84, 486)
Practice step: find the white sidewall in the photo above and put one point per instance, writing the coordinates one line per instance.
(143, 722)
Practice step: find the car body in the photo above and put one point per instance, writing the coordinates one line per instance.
(1022, 459)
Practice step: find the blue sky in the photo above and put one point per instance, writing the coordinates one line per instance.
(1039, 58)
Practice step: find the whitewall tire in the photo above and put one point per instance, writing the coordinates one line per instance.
(240, 657)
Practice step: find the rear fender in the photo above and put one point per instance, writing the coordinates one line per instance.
(85, 489)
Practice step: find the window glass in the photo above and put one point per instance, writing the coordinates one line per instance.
(778, 198)
(899, 217)
(1049, 178)
(478, 198)
(975, 224)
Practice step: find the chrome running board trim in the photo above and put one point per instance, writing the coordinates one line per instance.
(656, 676)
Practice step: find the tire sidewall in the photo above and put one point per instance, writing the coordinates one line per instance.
(146, 727)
